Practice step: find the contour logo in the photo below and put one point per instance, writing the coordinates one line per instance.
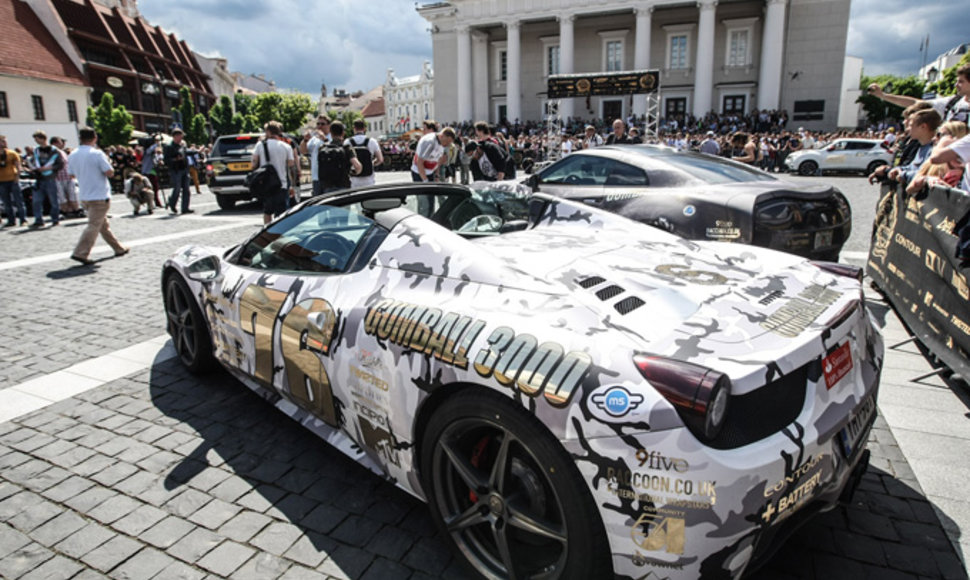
(617, 401)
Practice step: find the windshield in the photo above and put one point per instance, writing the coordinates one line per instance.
(707, 169)
(240, 146)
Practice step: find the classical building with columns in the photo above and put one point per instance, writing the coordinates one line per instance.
(492, 57)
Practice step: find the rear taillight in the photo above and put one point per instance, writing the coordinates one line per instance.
(208, 167)
(699, 394)
(847, 270)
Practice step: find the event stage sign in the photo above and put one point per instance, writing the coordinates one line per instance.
(603, 84)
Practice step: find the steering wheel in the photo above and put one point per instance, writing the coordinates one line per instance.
(572, 178)
(327, 241)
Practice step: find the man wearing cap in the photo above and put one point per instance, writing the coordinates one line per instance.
(591, 139)
(709, 145)
(176, 158)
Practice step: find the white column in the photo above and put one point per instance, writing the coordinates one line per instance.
(513, 85)
(704, 63)
(567, 49)
(772, 48)
(482, 91)
(464, 74)
(641, 52)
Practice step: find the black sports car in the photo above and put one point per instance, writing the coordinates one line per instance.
(701, 197)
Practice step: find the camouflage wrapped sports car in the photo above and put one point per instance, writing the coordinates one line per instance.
(575, 394)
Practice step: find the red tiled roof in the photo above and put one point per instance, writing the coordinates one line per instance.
(374, 108)
(27, 49)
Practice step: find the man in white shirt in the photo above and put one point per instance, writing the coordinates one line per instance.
(431, 151)
(93, 170)
(311, 145)
(281, 158)
(951, 108)
(360, 142)
(591, 139)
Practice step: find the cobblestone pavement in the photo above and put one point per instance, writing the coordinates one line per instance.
(161, 474)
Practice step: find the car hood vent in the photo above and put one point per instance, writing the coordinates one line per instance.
(625, 306)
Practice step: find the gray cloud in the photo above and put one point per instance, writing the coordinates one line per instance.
(301, 43)
(887, 33)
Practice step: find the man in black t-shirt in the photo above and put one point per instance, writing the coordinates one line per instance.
(336, 162)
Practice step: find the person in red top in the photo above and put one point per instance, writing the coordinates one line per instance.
(13, 201)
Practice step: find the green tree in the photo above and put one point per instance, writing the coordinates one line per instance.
(112, 123)
(196, 133)
(875, 108)
(268, 107)
(186, 108)
(947, 85)
(244, 103)
(221, 117)
(294, 110)
(347, 117)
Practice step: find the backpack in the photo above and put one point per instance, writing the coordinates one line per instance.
(264, 181)
(333, 168)
(364, 156)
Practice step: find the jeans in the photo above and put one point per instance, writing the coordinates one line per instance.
(46, 188)
(13, 202)
(180, 183)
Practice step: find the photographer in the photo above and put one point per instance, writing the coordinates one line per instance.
(176, 158)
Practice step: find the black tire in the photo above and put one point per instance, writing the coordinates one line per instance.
(187, 327)
(225, 202)
(872, 167)
(536, 504)
(807, 168)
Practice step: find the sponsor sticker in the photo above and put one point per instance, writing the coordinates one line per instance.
(689, 210)
(617, 401)
(837, 365)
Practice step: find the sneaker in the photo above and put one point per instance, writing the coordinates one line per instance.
(150, 212)
(55, 224)
(188, 211)
(36, 226)
(122, 252)
(84, 261)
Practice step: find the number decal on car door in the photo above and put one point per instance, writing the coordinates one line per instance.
(305, 334)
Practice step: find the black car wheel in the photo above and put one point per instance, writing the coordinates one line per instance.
(225, 202)
(506, 494)
(807, 168)
(187, 327)
(874, 166)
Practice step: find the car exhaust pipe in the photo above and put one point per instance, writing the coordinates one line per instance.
(855, 478)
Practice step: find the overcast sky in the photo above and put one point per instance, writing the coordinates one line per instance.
(351, 44)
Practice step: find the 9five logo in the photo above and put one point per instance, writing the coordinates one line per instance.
(617, 401)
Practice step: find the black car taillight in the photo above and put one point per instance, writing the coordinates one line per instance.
(699, 394)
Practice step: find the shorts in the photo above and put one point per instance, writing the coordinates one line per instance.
(275, 204)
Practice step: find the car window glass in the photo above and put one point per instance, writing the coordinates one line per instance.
(837, 146)
(579, 170)
(624, 174)
(318, 238)
(859, 145)
(241, 146)
(699, 168)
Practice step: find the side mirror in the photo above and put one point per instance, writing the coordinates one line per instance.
(205, 269)
(533, 181)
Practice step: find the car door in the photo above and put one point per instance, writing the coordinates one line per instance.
(273, 314)
(835, 156)
(576, 176)
(862, 153)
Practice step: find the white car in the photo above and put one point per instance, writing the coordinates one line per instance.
(843, 155)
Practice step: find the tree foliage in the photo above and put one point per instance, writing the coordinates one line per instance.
(875, 108)
(347, 117)
(196, 133)
(221, 116)
(112, 123)
(186, 108)
(947, 84)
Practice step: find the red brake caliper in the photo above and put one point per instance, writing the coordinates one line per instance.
(476, 459)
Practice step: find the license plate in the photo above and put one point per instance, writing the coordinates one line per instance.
(823, 239)
(852, 432)
(239, 166)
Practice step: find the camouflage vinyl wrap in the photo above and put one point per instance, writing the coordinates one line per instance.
(552, 317)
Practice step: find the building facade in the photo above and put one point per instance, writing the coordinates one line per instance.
(221, 81)
(409, 101)
(934, 70)
(493, 58)
(42, 84)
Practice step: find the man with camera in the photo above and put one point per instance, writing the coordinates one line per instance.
(176, 158)
(952, 108)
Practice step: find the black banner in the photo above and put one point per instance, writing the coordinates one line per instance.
(914, 261)
(604, 84)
